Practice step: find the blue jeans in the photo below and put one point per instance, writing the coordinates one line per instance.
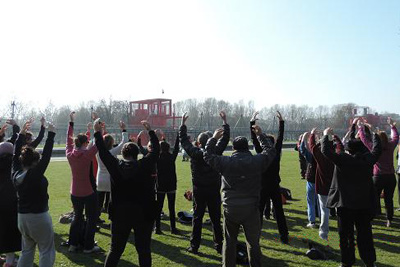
(311, 201)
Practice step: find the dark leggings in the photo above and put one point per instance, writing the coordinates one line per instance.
(171, 206)
(387, 183)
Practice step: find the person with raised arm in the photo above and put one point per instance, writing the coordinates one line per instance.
(352, 194)
(133, 198)
(384, 173)
(83, 196)
(103, 176)
(34, 221)
(166, 183)
(323, 179)
(241, 178)
(206, 184)
(270, 188)
(312, 202)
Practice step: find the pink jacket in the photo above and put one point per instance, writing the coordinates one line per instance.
(385, 164)
(79, 160)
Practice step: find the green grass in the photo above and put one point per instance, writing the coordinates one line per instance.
(169, 250)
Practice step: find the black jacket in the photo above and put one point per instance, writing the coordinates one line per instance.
(203, 176)
(8, 195)
(132, 182)
(32, 185)
(166, 170)
(241, 172)
(271, 176)
(352, 185)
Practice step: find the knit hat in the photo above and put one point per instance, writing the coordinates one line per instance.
(6, 148)
(240, 143)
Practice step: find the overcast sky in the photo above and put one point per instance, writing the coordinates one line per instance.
(273, 52)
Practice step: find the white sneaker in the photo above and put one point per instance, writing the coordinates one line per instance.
(72, 248)
(311, 225)
(93, 250)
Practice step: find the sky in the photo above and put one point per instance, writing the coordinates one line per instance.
(307, 52)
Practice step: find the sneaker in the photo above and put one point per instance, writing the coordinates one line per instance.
(72, 248)
(192, 250)
(93, 250)
(388, 223)
(311, 225)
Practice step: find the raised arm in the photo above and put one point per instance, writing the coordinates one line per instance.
(70, 132)
(191, 150)
(117, 150)
(303, 148)
(20, 142)
(3, 132)
(353, 128)
(223, 142)
(326, 148)
(394, 133)
(363, 137)
(39, 139)
(153, 155)
(176, 147)
(279, 140)
(376, 149)
(47, 151)
(217, 162)
(256, 144)
(15, 129)
(141, 148)
(268, 150)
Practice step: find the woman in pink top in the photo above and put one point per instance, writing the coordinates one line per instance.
(384, 174)
(83, 196)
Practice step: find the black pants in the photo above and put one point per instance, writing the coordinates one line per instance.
(398, 187)
(203, 198)
(272, 192)
(103, 196)
(171, 207)
(89, 204)
(361, 219)
(126, 217)
(387, 183)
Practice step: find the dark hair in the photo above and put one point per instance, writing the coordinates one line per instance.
(271, 137)
(5, 163)
(240, 143)
(108, 141)
(29, 156)
(203, 138)
(130, 150)
(164, 147)
(384, 139)
(355, 146)
(80, 139)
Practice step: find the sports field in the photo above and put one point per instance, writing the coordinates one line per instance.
(169, 250)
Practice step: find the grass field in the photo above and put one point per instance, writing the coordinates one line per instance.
(169, 250)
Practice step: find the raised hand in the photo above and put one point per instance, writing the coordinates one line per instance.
(356, 120)
(257, 129)
(97, 125)
(314, 131)
(42, 121)
(254, 117)
(218, 133)
(3, 129)
(11, 122)
(279, 115)
(122, 125)
(391, 122)
(51, 127)
(328, 131)
(72, 116)
(94, 116)
(222, 114)
(184, 118)
(89, 126)
(146, 125)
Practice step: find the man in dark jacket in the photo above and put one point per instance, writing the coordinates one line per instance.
(241, 179)
(206, 184)
(352, 193)
(270, 189)
(133, 202)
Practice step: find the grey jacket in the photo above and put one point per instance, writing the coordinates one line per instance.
(241, 172)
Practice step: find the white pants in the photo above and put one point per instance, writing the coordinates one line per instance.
(324, 215)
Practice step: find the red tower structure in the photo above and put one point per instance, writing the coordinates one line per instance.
(157, 111)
